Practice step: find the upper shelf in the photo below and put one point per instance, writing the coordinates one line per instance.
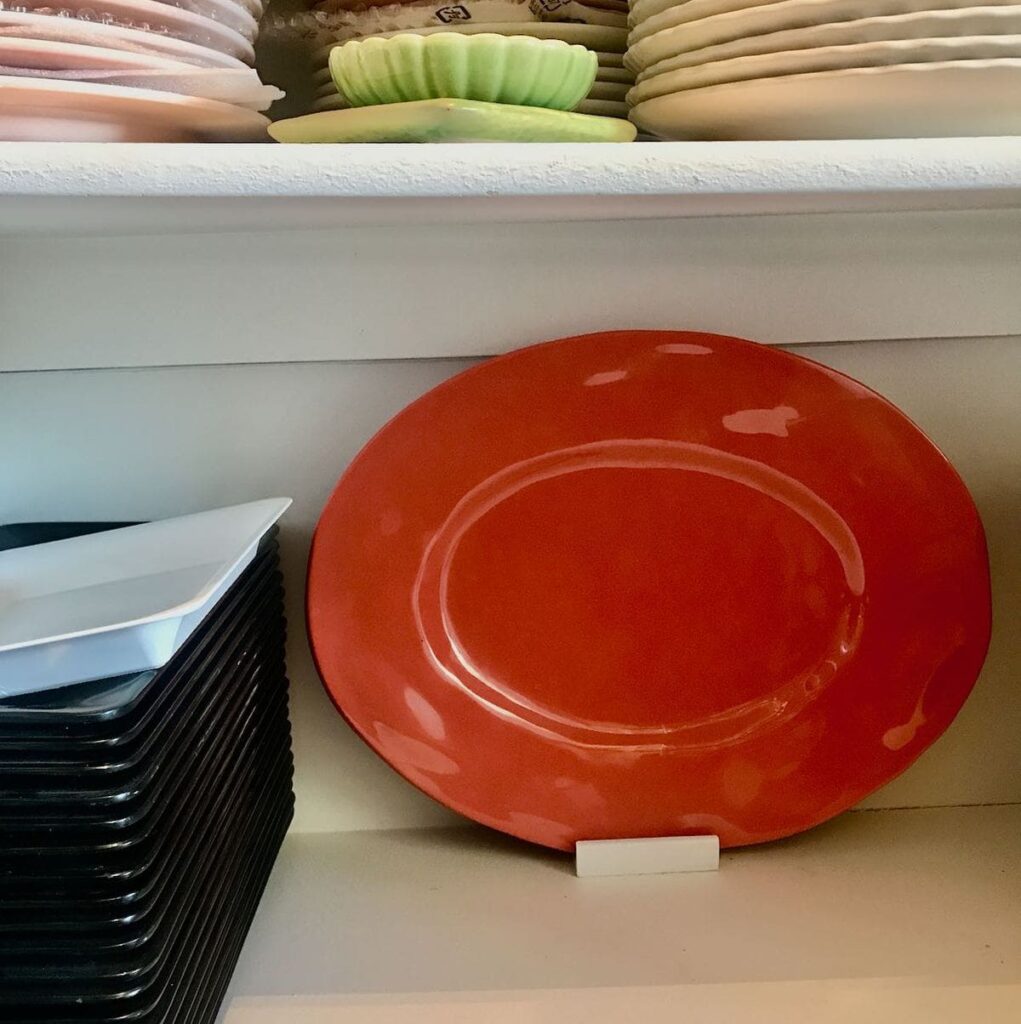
(216, 187)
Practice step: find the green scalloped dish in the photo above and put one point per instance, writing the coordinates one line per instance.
(447, 120)
(517, 70)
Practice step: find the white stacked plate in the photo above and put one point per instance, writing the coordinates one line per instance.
(823, 69)
(131, 70)
(608, 97)
(120, 601)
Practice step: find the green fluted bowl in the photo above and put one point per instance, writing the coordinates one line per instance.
(518, 70)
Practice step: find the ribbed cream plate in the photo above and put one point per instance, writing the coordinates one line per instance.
(602, 108)
(333, 101)
(621, 75)
(608, 91)
(827, 58)
(699, 10)
(595, 37)
(972, 21)
(937, 100)
(609, 60)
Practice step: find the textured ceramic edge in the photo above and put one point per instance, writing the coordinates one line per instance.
(947, 24)
(896, 52)
(953, 99)
(594, 37)
(518, 70)
(738, 19)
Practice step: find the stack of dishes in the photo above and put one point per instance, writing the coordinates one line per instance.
(131, 71)
(421, 13)
(815, 69)
(607, 98)
(139, 820)
(456, 87)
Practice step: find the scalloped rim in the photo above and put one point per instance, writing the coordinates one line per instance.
(559, 74)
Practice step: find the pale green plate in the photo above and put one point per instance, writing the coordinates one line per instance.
(448, 120)
(518, 70)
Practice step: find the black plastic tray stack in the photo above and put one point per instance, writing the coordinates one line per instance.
(140, 818)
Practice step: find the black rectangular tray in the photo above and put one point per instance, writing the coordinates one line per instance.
(219, 904)
(102, 958)
(217, 798)
(214, 685)
(108, 891)
(186, 984)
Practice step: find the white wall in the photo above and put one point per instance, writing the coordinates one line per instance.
(150, 442)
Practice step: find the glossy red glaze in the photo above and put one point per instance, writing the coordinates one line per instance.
(649, 583)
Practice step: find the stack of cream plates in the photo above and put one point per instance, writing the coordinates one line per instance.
(609, 91)
(131, 70)
(823, 69)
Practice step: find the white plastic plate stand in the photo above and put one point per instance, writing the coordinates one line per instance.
(666, 855)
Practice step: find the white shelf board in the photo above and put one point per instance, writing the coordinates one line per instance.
(219, 187)
(912, 914)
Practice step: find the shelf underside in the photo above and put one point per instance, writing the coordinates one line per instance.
(908, 915)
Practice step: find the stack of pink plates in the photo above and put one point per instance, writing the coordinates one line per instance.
(131, 71)
(817, 69)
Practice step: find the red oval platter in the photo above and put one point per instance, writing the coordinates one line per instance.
(649, 583)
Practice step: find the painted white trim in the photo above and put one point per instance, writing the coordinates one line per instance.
(397, 183)
(446, 290)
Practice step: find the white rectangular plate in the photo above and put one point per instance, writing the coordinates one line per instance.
(120, 601)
